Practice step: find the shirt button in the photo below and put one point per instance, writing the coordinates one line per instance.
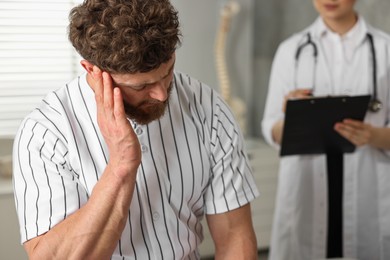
(156, 216)
(144, 148)
(138, 131)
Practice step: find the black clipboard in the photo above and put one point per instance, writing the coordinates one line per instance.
(308, 124)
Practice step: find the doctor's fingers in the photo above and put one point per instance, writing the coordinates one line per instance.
(299, 93)
(359, 127)
(296, 94)
(357, 135)
(354, 123)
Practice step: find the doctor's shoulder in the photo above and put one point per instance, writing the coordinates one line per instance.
(380, 34)
(289, 45)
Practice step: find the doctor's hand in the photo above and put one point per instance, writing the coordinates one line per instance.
(122, 142)
(297, 94)
(357, 132)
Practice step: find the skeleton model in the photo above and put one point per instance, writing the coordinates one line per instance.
(228, 11)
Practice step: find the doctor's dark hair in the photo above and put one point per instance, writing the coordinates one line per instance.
(125, 36)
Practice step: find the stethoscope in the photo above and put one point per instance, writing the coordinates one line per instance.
(375, 104)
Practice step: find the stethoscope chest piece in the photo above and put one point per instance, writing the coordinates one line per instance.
(375, 105)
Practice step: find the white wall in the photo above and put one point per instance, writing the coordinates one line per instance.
(10, 248)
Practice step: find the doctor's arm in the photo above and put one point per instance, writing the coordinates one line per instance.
(93, 231)
(360, 133)
(277, 129)
(281, 88)
(233, 234)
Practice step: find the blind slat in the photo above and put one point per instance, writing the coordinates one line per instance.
(14, 38)
(27, 14)
(34, 46)
(34, 53)
(16, 29)
(41, 1)
(44, 61)
(34, 22)
(36, 76)
(42, 7)
(33, 85)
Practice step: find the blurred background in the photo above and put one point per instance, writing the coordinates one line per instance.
(35, 57)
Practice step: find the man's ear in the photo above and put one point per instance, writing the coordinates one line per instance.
(87, 66)
(92, 70)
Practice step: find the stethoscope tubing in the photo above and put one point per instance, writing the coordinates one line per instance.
(373, 54)
(375, 103)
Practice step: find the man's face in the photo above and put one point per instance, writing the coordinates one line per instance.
(146, 95)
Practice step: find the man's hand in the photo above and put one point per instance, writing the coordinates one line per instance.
(93, 231)
(125, 152)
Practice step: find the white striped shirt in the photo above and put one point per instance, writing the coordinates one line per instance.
(193, 162)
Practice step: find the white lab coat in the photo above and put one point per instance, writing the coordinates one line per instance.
(300, 220)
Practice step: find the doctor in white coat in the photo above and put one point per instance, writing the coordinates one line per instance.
(346, 63)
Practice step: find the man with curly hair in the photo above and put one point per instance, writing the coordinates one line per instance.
(125, 161)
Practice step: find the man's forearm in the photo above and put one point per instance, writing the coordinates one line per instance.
(240, 247)
(233, 234)
(93, 231)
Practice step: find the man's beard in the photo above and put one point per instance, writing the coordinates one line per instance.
(147, 111)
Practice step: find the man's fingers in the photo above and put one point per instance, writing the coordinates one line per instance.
(119, 110)
(97, 86)
(107, 92)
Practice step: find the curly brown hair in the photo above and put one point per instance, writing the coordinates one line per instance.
(125, 36)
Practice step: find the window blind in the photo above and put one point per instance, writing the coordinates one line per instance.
(35, 56)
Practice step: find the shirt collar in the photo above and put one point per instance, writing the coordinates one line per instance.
(356, 34)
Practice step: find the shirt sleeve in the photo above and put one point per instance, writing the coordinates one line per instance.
(232, 184)
(45, 187)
